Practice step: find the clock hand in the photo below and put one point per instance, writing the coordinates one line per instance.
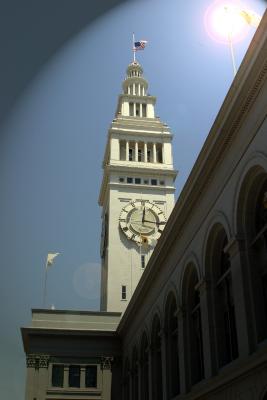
(155, 222)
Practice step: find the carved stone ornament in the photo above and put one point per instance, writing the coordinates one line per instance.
(43, 361)
(31, 360)
(106, 362)
(37, 361)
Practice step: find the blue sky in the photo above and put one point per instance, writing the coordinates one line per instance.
(53, 141)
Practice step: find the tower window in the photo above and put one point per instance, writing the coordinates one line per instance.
(91, 376)
(148, 155)
(131, 109)
(142, 261)
(121, 179)
(137, 181)
(146, 182)
(154, 182)
(130, 154)
(123, 292)
(137, 109)
(74, 376)
(162, 183)
(144, 110)
(57, 375)
(139, 155)
(129, 180)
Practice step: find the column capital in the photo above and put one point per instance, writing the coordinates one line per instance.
(106, 362)
(235, 244)
(31, 360)
(202, 285)
(180, 311)
(44, 361)
(37, 361)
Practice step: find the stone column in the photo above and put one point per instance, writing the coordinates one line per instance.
(207, 325)
(127, 150)
(134, 109)
(82, 378)
(154, 153)
(106, 363)
(183, 361)
(66, 376)
(43, 376)
(150, 373)
(163, 364)
(145, 151)
(239, 272)
(136, 151)
(139, 381)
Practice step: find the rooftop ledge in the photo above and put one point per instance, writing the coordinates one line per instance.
(78, 320)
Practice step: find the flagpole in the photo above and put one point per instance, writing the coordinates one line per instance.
(230, 42)
(133, 49)
(45, 280)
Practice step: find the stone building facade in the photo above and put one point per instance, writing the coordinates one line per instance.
(196, 325)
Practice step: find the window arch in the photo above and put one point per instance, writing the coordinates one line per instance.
(252, 224)
(134, 374)
(156, 359)
(219, 272)
(144, 364)
(172, 355)
(191, 301)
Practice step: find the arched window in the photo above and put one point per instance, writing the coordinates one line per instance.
(126, 381)
(144, 363)
(156, 360)
(135, 375)
(172, 357)
(224, 312)
(193, 316)
(255, 221)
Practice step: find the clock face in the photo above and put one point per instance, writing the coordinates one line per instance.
(142, 219)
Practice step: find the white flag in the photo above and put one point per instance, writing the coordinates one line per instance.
(50, 259)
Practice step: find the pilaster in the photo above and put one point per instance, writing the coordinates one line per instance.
(241, 293)
(208, 329)
(183, 363)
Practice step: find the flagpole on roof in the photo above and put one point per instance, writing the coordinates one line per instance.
(45, 280)
(49, 261)
(133, 49)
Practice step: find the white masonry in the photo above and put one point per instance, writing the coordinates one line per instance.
(137, 190)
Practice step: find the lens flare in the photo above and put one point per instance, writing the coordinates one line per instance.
(223, 19)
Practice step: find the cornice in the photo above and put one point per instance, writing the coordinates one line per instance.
(142, 169)
(243, 92)
(129, 169)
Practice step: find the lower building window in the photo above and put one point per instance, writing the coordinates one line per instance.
(142, 261)
(162, 183)
(121, 179)
(74, 376)
(146, 182)
(123, 292)
(129, 180)
(137, 181)
(91, 376)
(154, 182)
(57, 375)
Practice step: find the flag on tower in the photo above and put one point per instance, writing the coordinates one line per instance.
(50, 259)
(140, 45)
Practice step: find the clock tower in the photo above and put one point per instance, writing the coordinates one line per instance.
(137, 190)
